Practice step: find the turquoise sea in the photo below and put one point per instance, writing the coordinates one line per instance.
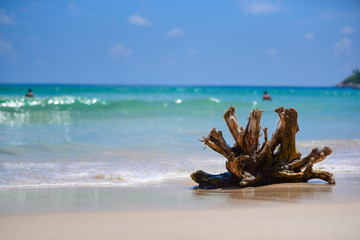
(129, 135)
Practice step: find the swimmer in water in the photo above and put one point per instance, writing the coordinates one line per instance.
(29, 93)
(266, 96)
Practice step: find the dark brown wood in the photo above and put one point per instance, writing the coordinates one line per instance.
(276, 161)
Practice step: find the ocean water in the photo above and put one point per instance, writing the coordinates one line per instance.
(127, 135)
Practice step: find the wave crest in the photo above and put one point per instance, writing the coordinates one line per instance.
(17, 103)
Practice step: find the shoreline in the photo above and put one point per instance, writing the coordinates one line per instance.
(174, 210)
(173, 195)
(120, 168)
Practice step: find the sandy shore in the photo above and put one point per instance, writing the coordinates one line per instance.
(175, 211)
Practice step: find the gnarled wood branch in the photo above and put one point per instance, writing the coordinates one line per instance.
(236, 131)
(251, 165)
(316, 156)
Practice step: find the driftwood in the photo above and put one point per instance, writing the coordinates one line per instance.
(276, 161)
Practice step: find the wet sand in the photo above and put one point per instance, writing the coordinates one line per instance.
(175, 211)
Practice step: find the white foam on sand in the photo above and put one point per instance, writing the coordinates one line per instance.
(145, 168)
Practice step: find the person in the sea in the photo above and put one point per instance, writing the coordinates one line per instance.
(266, 96)
(29, 93)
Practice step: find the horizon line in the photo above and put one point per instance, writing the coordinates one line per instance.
(165, 85)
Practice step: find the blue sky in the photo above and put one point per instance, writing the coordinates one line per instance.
(188, 42)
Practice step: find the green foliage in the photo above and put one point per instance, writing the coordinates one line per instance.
(355, 78)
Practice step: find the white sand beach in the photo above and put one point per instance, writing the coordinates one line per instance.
(176, 211)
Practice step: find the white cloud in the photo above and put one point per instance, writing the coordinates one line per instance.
(33, 39)
(40, 63)
(260, 6)
(6, 19)
(7, 51)
(176, 32)
(119, 49)
(191, 51)
(343, 47)
(138, 20)
(309, 36)
(347, 30)
(74, 9)
(334, 14)
(328, 14)
(5, 47)
(145, 8)
(273, 52)
(169, 59)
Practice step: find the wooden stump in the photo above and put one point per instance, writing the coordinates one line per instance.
(276, 161)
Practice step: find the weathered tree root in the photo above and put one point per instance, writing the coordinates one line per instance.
(276, 161)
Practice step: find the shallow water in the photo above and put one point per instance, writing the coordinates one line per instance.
(120, 135)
